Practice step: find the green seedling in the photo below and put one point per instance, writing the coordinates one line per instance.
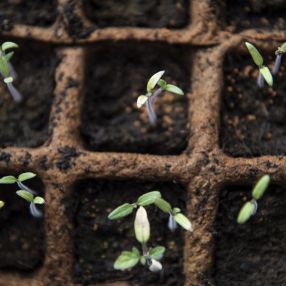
(264, 72)
(279, 52)
(25, 192)
(152, 93)
(33, 200)
(149, 256)
(6, 69)
(250, 208)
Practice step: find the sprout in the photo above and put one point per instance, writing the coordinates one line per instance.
(25, 192)
(279, 52)
(250, 208)
(149, 98)
(27, 196)
(7, 71)
(150, 256)
(264, 72)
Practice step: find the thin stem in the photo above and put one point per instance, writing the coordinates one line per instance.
(25, 188)
(149, 104)
(277, 64)
(17, 96)
(260, 80)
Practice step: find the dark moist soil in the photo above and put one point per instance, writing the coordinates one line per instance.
(254, 253)
(248, 14)
(29, 12)
(116, 75)
(252, 119)
(26, 124)
(151, 13)
(98, 241)
(22, 238)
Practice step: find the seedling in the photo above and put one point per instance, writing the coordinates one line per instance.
(150, 256)
(25, 192)
(152, 93)
(264, 72)
(250, 208)
(7, 71)
(279, 52)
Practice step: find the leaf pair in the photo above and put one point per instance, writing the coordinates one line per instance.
(151, 84)
(5, 58)
(128, 259)
(249, 208)
(127, 208)
(21, 178)
(258, 60)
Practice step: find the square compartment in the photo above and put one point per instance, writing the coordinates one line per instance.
(22, 237)
(26, 124)
(137, 13)
(98, 241)
(252, 119)
(116, 75)
(248, 14)
(28, 12)
(251, 253)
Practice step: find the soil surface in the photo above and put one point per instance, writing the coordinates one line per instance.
(151, 13)
(22, 238)
(26, 123)
(252, 119)
(116, 75)
(98, 241)
(248, 14)
(28, 12)
(251, 254)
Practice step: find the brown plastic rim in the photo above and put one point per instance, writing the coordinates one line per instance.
(203, 171)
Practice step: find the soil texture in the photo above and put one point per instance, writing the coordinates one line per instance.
(252, 119)
(138, 13)
(25, 124)
(251, 254)
(27, 12)
(116, 75)
(248, 14)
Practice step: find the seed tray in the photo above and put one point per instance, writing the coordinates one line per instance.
(206, 173)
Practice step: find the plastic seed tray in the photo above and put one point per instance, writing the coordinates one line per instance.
(81, 66)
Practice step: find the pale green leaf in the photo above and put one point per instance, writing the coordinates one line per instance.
(154, 80)
(256, 56)
(25, 195)
(174, 89)
(8, 45)
(260, 187)
(157, 252)
(183, 221)
(141, 100)
(148, 198)
(267, 75)
(162, 83)
(2, 204)
(8, 56)
(121, 211)
(176, 210)
(282, 48)
(4, 66)
(8, 79)
(39, 200)
(127, 259)
(8, 180)
(163, 205)
(26, 176)
(246, 212)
